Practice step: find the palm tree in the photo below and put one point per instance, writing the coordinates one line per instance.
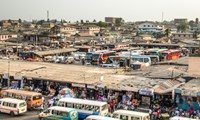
(167, 32)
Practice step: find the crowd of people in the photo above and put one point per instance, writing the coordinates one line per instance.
(159, 107)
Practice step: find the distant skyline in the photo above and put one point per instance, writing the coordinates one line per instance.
(73, 10)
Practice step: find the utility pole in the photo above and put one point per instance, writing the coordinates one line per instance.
(130, 58)
(8, 73)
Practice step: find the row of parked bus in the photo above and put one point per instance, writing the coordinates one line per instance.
(156, 55)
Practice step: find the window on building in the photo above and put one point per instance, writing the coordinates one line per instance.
(144, 25)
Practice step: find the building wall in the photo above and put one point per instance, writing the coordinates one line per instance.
(149, 27)
(111, 19)
(194, 66)
(180, 21)
(4, 37)
(182, 36)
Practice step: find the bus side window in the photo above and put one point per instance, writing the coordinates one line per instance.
(91, 108)
(63, 114)
(13, 105)
(135, 118)
(70, 105)
(83, 107)
(97, 109)
(5, 104)
(54, 112)
(123, 117)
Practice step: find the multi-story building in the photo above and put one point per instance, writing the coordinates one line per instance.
(182, 36)
(47, 25)
(6, 36)
(66, 29)
(150, 27)
(180, 20)
(112, 19)
(88, 30)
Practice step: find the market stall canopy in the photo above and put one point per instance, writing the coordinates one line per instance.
(167, 86)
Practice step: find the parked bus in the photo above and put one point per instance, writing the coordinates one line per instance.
(12, 106)
(33, 99)
(57, 112)
(101, 54)
(157, 52)
(154, 58)
(97, 117)
(88, 57)
(134, 58)
(130, 115)
(85, 107)
(171, 54)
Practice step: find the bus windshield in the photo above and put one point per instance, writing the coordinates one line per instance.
(22, 104)
(153, 53)
(37, 97)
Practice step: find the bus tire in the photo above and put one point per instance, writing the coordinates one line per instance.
(12, 113)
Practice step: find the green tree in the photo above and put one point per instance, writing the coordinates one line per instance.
(102, 24)
(94, 20)
(167, 32)
(195, 34)
(19, 20)
(40, 22)
(82, 21)
(118, 22)
(158, 35)
(182, 27)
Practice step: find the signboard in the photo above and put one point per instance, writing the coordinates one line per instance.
(91, 86)
(78, 85)
(146, 92)
(18, 77)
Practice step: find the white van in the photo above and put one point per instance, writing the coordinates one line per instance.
(181, 118)
(12, 106)
(130, 115)
(97, 117)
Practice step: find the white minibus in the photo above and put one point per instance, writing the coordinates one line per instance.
(130, 115)
(96, 117)
(13, 106)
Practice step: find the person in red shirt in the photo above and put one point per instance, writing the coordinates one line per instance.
(191, 112)
(158, 113)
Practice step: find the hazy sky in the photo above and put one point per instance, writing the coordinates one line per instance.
(72, 10)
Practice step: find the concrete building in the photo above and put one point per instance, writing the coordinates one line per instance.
(180, 20)
(88, 30)
(66, 29)
(47, 24)
(150, 27)
(112, 19)
(6, 36)
(182, 36)
(5, 23)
